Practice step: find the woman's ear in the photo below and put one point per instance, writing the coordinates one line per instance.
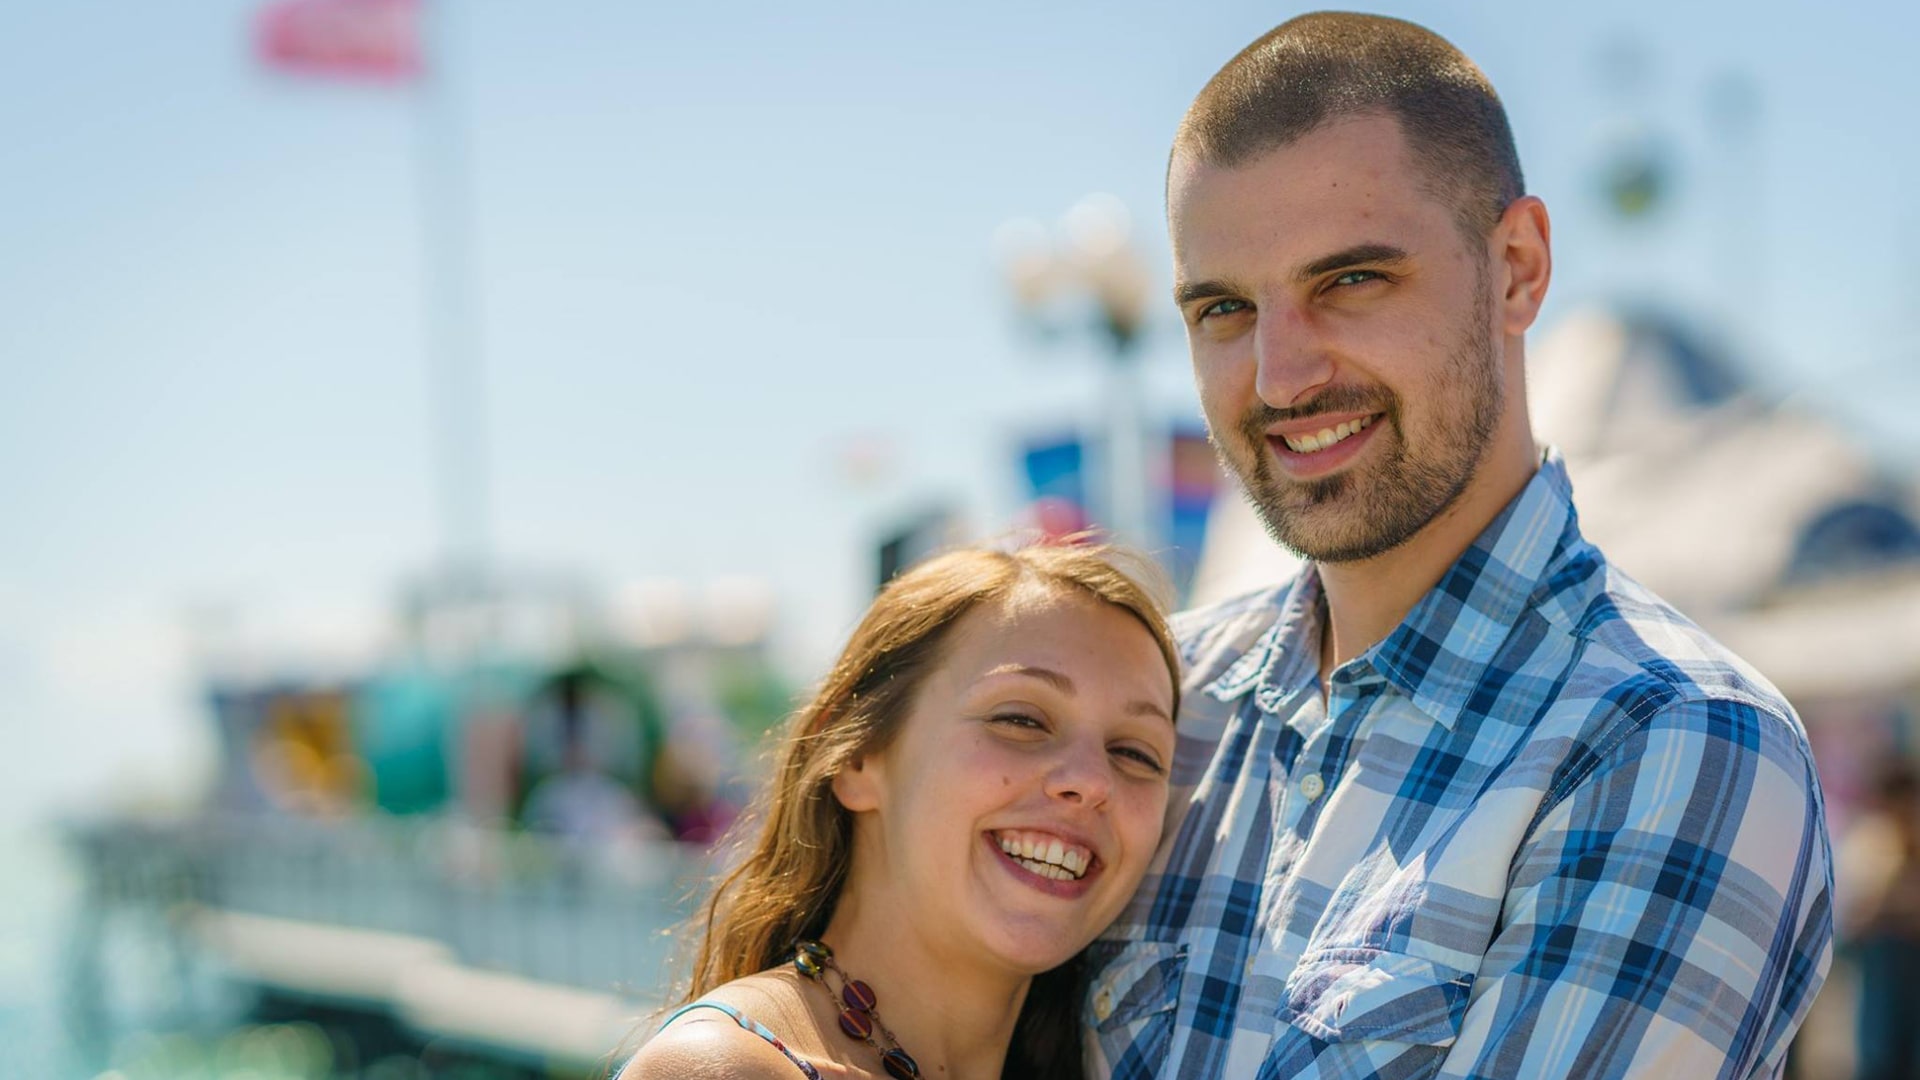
(857, 785)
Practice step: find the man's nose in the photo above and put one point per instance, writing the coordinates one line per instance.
(1082, 775)
(1290, 355)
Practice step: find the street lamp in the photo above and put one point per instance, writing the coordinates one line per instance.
(1089, 255)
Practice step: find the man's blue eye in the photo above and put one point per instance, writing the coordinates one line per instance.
(1355, 277)
(1223, 307)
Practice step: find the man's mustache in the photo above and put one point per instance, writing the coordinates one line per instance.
(1336, 399)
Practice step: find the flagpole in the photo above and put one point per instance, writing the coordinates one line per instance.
(452, 311)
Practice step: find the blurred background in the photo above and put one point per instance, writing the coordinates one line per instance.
(437, 440)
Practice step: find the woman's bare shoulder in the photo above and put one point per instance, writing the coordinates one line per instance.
(709, 1044)
(710, 1047)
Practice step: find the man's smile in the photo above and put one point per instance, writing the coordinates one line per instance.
(1326, 435)
(1317, 446)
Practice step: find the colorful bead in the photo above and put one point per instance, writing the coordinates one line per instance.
(856, 1023)
(811, 958)
(859, 995)
(860, 1018)
(900, 1065)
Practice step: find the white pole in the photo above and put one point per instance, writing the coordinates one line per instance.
(1126, 464)
(1734, 110)
(455, 362)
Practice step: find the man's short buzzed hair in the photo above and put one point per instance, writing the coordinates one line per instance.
(1330, 64)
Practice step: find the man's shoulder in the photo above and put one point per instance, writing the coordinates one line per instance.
(1217, 633)
(1627, 632)
(1264, 602)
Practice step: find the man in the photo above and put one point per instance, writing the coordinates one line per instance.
(1461, 799)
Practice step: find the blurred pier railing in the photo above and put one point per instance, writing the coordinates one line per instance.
(509, 943)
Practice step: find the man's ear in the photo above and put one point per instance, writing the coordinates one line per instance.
(857, 785)
(1524, 245)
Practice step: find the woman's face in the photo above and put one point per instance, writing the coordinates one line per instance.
(1017, 809)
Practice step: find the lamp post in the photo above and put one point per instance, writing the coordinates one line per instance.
(1089, 257)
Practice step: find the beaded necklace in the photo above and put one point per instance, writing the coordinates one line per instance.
(859, 1015)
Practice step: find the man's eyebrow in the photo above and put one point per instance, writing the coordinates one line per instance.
(1186, 292)
(1357, 255)
(1059, 681)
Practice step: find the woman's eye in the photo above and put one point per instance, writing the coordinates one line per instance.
(1018, 720)
(1223, 307)
(1140, 756)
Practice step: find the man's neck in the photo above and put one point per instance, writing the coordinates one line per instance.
(1367, 598)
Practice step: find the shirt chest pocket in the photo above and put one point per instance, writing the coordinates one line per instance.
(1347, 995)
(1132, 991)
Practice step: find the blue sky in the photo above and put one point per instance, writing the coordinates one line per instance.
(715, 246)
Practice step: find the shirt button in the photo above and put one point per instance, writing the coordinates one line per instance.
(1311, 786)
(1103, 1004)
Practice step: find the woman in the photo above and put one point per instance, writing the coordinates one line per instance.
(972, 795)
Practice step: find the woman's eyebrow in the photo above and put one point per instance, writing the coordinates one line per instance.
(1059, 681)
(1147, 708)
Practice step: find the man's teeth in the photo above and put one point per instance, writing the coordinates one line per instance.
(1325, 437)
(1047, 856)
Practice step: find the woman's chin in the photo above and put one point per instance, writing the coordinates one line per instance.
(1030, 949)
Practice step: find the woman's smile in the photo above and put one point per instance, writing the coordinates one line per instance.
(1046, 854)
(1049, 878)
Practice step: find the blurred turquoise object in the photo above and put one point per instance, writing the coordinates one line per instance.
(404, 719)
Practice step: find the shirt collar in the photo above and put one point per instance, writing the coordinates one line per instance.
(1437, 654)
(1285, 645)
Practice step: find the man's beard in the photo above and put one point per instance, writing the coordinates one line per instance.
(1368, 510)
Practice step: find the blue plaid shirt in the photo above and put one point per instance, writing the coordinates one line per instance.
(1545, 828)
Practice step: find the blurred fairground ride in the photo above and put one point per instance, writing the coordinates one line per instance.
(462, 858)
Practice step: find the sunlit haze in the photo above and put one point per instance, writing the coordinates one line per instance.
(738, 302)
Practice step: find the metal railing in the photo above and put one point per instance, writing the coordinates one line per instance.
(597, 918)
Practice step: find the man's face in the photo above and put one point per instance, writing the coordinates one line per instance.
(1342, 332)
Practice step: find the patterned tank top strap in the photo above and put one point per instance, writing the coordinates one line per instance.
(749, 1024)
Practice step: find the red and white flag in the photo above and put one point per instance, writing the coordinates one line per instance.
(351, 39)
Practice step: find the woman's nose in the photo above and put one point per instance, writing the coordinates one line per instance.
(1081, 775)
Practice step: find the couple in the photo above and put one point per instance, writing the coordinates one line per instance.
(1459, 800)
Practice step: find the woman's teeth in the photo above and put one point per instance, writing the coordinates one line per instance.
(1048, 856)
(1325, 437)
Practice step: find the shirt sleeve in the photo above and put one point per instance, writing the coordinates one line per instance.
(1670, 915)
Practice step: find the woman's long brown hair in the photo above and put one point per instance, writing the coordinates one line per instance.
(793, 846)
